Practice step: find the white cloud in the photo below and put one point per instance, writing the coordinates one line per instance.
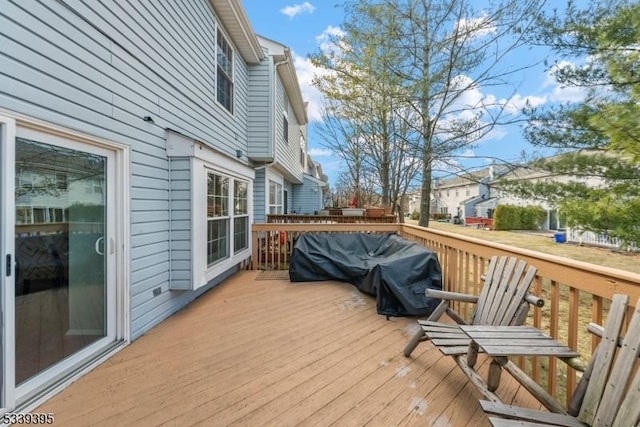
(561, 93)
(517, 102)
(319, 152)
(477, 27)
(326, 38)
(297, 9)
(306, 72)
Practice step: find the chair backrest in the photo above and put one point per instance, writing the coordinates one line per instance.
(502, 299)
(613, 392)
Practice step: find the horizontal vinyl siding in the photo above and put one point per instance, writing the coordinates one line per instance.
(259, 129)
(259, 197)
(289, 189)
(133, 59)
(287, 152)
(307, 198)
(180, 223)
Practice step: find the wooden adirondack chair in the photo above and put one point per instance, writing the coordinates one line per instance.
(608, 393)
(504, 300)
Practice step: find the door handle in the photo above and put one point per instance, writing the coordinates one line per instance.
(112, 246)
(8, 265)
(98, 242)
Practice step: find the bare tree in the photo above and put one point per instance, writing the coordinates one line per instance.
(436, 57)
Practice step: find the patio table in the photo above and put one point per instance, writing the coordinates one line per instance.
(500, 342)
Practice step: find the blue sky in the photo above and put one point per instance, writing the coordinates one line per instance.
(303, 26)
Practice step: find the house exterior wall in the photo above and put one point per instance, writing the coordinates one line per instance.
(260, 196)
(307, 198)
(452, 197)
(99, 68)
(259, 128)
(277, 115)
(287, 154)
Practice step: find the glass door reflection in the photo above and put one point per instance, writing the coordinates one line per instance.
(60, 198)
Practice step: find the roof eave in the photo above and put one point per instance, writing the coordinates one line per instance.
(235, 20)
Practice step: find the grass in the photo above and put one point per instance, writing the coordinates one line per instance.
(544, 242)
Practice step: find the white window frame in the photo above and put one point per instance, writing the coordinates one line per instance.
(241, 215)
(208, 161)
(223, 217)
(220, 34)
(278, 180)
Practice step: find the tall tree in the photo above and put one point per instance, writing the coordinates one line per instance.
(364, 100)
(600, 51)
(438, 56)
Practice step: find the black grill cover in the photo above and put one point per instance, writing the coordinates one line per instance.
(394, 270)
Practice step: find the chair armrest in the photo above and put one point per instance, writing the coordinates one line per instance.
(534, 300)
(453, 296)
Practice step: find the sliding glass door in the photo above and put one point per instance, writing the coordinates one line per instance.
(59, 241)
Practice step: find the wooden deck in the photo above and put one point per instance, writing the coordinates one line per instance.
(270, 352)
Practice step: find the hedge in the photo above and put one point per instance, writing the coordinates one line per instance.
(510, 217)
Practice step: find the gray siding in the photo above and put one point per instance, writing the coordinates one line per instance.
(307, 198)
(259, 129)
(287, 151)
(259, 197)
(180, 245)
(289, 189)
(100, 68)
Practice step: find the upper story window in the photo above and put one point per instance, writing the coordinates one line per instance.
(285, 116)
(285, 128)
(224, 77)
(303, 150)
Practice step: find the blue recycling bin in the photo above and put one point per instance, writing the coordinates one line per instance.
(560, 237)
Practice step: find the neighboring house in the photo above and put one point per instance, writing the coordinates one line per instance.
(459, 195)
(137, 143)
(525, 173)
(278, 137)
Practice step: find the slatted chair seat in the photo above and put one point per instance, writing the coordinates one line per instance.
(449, 339)
(504, 300)
(608, 393)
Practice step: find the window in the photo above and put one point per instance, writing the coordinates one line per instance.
(241, 217)
(302, 149)
(224, 83)
(217, 218)
(468, 190)
(275, 197)
(221, 216)
(285, 119)
(285, 128)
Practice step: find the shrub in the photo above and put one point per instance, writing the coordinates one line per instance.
(510, 217)
(415, 215)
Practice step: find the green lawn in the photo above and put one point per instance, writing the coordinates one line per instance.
(544, 242)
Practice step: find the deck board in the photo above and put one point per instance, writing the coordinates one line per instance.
(270, 352)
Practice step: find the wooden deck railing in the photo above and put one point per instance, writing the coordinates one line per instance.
(329, 219)
(575, 292)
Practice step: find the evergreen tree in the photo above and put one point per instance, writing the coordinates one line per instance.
(602, 133)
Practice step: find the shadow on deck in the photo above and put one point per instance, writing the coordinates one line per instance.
(269, 352)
